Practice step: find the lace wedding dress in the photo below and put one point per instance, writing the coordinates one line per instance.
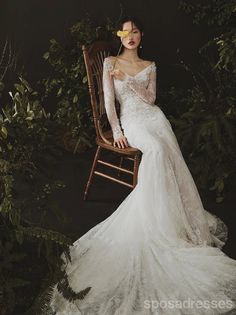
(160, 248)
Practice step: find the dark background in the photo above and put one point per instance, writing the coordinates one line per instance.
(29, 24)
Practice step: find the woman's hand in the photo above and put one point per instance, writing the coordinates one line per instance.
(118, 74)
(121, 142)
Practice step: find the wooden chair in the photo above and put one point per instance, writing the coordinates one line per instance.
(94, 56)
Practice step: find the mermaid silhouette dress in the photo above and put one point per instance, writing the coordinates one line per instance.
(160, 250)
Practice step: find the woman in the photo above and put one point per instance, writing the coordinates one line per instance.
(160, 251)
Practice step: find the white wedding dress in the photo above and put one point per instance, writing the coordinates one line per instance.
(160, 247)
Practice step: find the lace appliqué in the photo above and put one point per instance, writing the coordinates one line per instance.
(145, 89)
(109, 100)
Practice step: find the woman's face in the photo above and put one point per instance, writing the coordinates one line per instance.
(133, 39)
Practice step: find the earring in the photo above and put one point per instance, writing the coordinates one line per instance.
(141, 46)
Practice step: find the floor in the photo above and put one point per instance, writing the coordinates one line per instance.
(105, 196)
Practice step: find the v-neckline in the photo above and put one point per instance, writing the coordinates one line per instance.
(133, 76)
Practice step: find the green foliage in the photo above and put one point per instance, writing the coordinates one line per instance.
(221, 15)
(68, 81)
(226, 44)
(26, 148)
(9, 282)
(30, 248)
(213, 12)
(205, 114)
(206, 133)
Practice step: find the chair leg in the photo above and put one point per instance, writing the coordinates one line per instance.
(97, 154)
(136, 166)
(120, 164)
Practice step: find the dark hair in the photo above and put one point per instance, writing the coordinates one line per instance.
(129, 18)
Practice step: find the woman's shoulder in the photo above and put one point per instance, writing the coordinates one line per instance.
(148, 62)
(109, 62)
(110, 59)
(151, 65)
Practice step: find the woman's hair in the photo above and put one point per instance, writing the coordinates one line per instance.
(129, 18)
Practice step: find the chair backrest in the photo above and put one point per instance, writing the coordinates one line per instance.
(94, 56)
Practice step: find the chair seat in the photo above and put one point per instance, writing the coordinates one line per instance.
(126, 151)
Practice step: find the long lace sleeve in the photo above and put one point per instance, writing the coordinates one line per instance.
(147, 94)
(109, 100)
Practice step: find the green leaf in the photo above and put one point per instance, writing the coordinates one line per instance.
(19, 88)
(219, 199)
(75, 98)
(46, 55)
(26, 84)
(3, 132)
(53, 41)
(46, 234)
(59, 91)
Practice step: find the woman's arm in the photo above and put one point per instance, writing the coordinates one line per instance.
(109, 99)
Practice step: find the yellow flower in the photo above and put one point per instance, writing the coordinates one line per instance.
(122, 33)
